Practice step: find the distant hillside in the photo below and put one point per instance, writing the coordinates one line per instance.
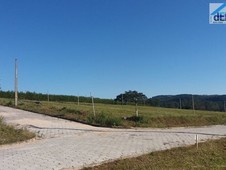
(201, 102)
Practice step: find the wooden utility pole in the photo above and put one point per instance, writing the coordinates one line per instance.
(136, 108)
(193, 104)
(78, 100)
(16, 83)
(94, 113)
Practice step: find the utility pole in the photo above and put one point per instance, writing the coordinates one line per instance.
(78, 100)
(16, 82)
(94, 113)
(193, 104)
(136, 108)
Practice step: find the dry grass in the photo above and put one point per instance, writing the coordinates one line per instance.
(210, 155)
(8, 134)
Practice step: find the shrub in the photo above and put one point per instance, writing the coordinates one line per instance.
(10, 103)
(1, 119)
(135, 119)
(8, 134)
(68, 110)
(63, 108)
(104, 119)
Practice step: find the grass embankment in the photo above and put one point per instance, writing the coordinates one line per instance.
(210, 155)
(8, 134)
(118, 115)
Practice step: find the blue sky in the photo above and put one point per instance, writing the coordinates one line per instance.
(109, 46)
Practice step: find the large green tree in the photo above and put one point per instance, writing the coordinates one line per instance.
(131, 97)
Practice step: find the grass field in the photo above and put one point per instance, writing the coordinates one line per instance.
(210, 155)
(122, 115)
(9, 134)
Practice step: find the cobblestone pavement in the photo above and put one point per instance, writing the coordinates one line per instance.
(62, 144)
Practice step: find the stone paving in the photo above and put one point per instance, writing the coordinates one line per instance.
(62, 144)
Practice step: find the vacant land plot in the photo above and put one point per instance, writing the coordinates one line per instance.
(210, 155)
(122, 115)
(67, 144)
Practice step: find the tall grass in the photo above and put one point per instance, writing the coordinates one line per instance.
(103, 119)
(8, 134)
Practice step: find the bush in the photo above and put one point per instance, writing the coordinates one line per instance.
(136, 118)
(1, 119)
(8, 134)
(104, 119)
(68, 110)
(10, 103)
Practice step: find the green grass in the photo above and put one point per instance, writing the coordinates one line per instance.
(8, 134)
(210, 155)
(124, 116)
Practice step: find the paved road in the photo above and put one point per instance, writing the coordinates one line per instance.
(64, 144)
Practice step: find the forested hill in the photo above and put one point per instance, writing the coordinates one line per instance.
(201, 102)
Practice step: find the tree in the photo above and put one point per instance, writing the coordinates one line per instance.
(131, 97)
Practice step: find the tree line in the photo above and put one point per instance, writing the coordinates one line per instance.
(52, 97)
(183, 101)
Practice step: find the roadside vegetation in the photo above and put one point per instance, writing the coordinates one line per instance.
(8, 134)
(110, 115)
(209, 155)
